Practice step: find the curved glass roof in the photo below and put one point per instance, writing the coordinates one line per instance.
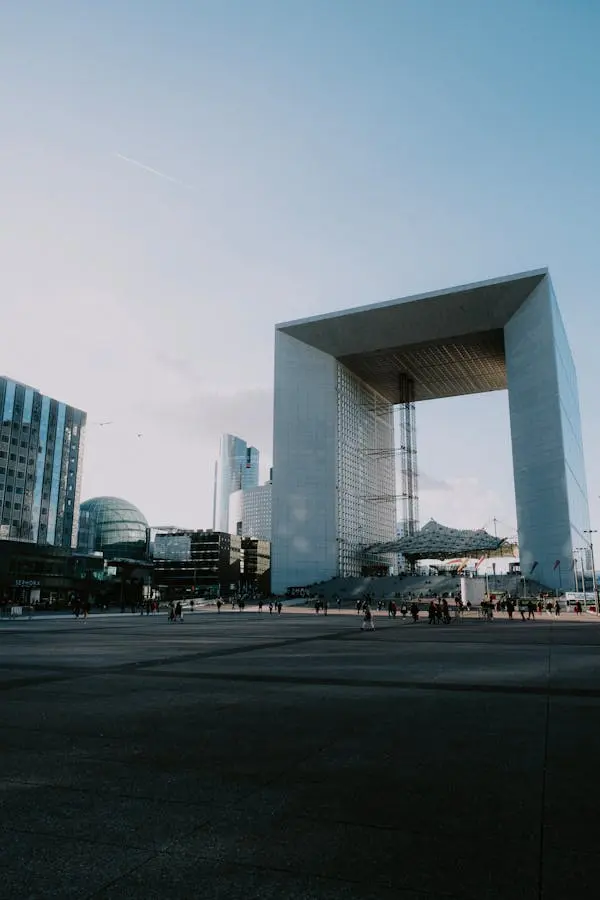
(435, 541)
(114, 526)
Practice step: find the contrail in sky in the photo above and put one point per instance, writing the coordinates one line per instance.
(135, 162)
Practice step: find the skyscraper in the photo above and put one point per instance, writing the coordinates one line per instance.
(237, 469)
(250, 512)
(41, 455)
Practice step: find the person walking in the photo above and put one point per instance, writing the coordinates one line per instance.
(367, 623)
(279, 607)
(178, 612)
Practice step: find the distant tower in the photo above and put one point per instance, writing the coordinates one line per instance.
(236, 469)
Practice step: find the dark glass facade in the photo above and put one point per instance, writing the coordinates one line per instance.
(41, 455)
(113, 526)
(197, 563)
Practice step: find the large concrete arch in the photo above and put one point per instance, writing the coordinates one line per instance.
(337, 379)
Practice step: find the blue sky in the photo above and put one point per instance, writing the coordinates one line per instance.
(319, 155)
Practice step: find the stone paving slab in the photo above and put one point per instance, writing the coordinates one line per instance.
(253, 756)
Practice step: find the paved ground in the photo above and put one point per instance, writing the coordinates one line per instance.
(293, 757)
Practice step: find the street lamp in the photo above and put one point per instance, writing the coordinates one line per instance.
(592, 531)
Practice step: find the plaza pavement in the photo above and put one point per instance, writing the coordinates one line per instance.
(253, 756)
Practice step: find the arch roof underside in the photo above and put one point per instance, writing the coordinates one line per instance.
(449, 343)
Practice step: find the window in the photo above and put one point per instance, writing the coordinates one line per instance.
(2, 470)
(22, 460)
(13, 457)
(4, 439)
(11, 472)
(24, 444)
(9, 489)
(15, 523)
(7, 504)
(14, 440)
(17, 506)
(19, 490)
(2, 454)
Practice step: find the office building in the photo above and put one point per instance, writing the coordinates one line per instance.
(236, 469)
(197, 563)
(256, 566)
(250, 512)
(41, 456)
(337, 380)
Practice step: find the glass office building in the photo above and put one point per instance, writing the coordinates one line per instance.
(250, 512)
(236, 469)
(41, 455)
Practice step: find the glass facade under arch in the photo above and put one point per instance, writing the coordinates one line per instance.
(113, 526)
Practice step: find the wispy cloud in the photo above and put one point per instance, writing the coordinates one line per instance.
(140, 165)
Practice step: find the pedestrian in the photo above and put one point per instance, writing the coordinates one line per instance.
(279, 607)
(219, 604)
(557, 608)
(531, 610)
(414, 611)
(324, 605)
(510, 608)
(178, 612)
(446, 612)
(432, 613)
(367, 623)
(171, 613)
(260, 605)
(270, 607)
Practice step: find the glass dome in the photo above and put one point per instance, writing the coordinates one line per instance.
(114, 526)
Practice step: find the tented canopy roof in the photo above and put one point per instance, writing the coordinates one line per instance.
(435, 541)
